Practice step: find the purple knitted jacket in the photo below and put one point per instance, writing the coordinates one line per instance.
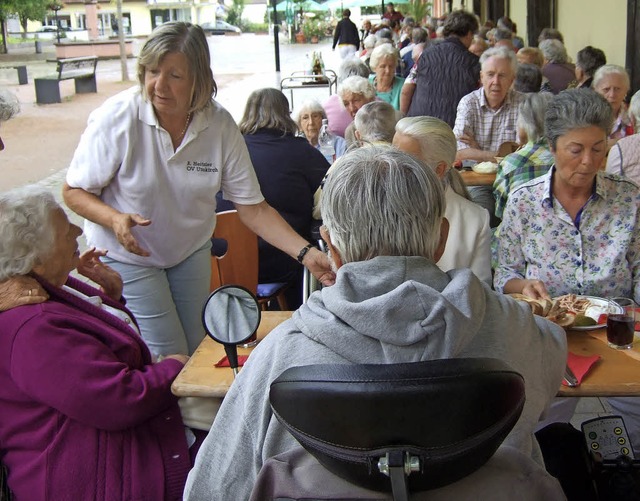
(84, 414)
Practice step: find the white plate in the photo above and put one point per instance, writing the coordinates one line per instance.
(485, 168)
(598, 306)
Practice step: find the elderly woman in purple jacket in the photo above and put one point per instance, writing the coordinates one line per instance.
(86, 414)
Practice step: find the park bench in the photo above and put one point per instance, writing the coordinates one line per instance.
(23, 79)
(80, 69)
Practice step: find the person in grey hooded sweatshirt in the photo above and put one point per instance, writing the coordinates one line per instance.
(383, 214)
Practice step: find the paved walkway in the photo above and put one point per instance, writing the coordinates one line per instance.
(40, 141)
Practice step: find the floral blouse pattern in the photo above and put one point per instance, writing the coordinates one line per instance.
(598, 254)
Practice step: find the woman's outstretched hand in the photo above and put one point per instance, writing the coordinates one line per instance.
(106, 277)
(121, 226)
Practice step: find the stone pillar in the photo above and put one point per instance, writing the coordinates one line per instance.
(91, 10)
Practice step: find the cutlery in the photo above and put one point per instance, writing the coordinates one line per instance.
(570, 378)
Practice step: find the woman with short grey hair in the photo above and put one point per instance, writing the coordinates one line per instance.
(26, 233)
(338, 116)
(359, 86)
(557, 69)
(355, 92)
(530, 259)
(612, 82)
(372, 229)
(383, 62)
(533, 159)
(469, 245)
(375, 123)
(554, 51)
(76, 375)
(575, 229)
(624, 157)
(309, 119)
(528, 78)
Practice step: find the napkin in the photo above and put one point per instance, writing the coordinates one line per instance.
(224, 361)
(580, 365)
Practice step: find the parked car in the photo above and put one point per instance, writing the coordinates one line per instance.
(52, 29)
(220, 28)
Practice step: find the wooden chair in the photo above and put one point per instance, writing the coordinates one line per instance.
(239, 265)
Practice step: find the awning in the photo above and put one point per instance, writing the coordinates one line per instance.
(340, 4)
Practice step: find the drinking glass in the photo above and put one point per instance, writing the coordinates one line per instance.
(620, 324)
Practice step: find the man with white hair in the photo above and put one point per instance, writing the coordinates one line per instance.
(383, 223)
(487, 117)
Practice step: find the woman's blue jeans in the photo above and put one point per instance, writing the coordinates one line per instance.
(167, 303)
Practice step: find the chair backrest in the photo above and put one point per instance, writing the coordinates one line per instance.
(239, 265)
(441, 420)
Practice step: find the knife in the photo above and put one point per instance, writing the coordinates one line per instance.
(570, 378)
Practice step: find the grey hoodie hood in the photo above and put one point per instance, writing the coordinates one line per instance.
(393, 313)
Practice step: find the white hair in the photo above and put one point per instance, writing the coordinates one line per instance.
(376, 121)
(357, 85)
(311, 106)
(370, 41)
(500, 53)
(379, 201)
(382, 52)
(609, 69)
(435, 137)
(554, 51)
(26, 233)
(634, 109)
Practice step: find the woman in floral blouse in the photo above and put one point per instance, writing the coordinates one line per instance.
(572, 230)
(575, 229)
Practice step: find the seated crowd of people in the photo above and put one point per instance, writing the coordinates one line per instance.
(420, 266)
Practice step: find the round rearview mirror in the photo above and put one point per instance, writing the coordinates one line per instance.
(231, 315)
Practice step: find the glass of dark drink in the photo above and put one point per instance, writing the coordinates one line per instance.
(620, 323)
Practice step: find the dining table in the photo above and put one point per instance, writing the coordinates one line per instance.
(616, 373)
(472, 178)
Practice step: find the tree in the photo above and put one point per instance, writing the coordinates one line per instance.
(121, 42)
(234, 16)
(33, 10)
(6, 9)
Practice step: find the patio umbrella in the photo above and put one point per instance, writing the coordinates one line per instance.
(344, 4)
(306, 6)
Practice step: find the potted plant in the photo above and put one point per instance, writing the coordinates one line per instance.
(313, 30)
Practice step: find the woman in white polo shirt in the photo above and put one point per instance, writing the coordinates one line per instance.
(145, 176)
